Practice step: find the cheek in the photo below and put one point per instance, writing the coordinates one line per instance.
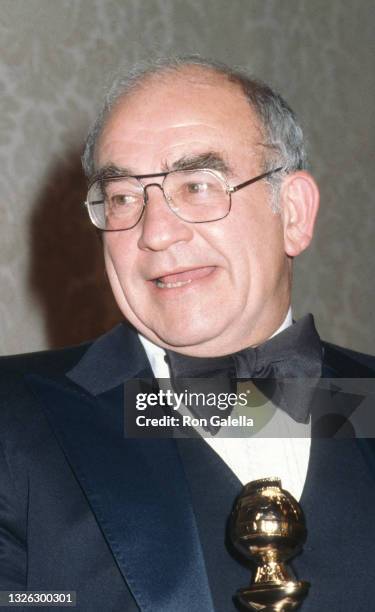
(120, 246)
(119, 267)
(258, 246)
(118, 259)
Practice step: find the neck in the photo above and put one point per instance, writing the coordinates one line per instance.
(156, 353)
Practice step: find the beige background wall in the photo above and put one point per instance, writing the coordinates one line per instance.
(56, 55)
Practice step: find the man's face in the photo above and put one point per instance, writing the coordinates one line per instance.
(201, 289)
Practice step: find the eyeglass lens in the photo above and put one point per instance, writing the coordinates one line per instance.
(194, 196)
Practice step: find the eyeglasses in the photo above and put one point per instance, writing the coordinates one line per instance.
(117, 203)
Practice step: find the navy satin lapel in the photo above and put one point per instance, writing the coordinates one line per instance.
(111, 359)
(138, 492)
(339, 491)
(367, 447)
(331, 408)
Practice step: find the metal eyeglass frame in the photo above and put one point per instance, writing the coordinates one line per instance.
(229, 189)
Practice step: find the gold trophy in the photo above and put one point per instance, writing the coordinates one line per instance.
(268, 527)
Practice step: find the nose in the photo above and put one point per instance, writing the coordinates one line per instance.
(160, 227)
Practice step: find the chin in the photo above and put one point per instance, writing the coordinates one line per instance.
(179, 337)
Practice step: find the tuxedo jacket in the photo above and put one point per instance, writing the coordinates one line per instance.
(132, 524)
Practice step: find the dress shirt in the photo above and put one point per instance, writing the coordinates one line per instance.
(256, 457)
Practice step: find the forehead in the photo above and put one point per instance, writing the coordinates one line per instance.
(176, 114)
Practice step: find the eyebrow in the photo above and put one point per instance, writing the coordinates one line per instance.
(208, 159)
(111, 170)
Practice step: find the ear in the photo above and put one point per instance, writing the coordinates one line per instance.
(300, 204)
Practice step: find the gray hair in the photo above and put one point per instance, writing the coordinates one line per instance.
(282, 133)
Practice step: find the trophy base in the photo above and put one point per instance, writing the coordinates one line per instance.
(272, 597)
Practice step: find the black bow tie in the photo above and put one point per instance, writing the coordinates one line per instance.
(293, 353)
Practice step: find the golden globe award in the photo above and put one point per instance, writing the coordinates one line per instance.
(268, 527)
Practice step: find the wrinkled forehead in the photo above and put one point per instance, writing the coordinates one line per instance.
(180, 108)
(184, 94)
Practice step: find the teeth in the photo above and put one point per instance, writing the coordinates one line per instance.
(162, 285)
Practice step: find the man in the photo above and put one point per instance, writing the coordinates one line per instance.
(197, 180)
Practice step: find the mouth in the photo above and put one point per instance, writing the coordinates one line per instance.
(177, 279)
